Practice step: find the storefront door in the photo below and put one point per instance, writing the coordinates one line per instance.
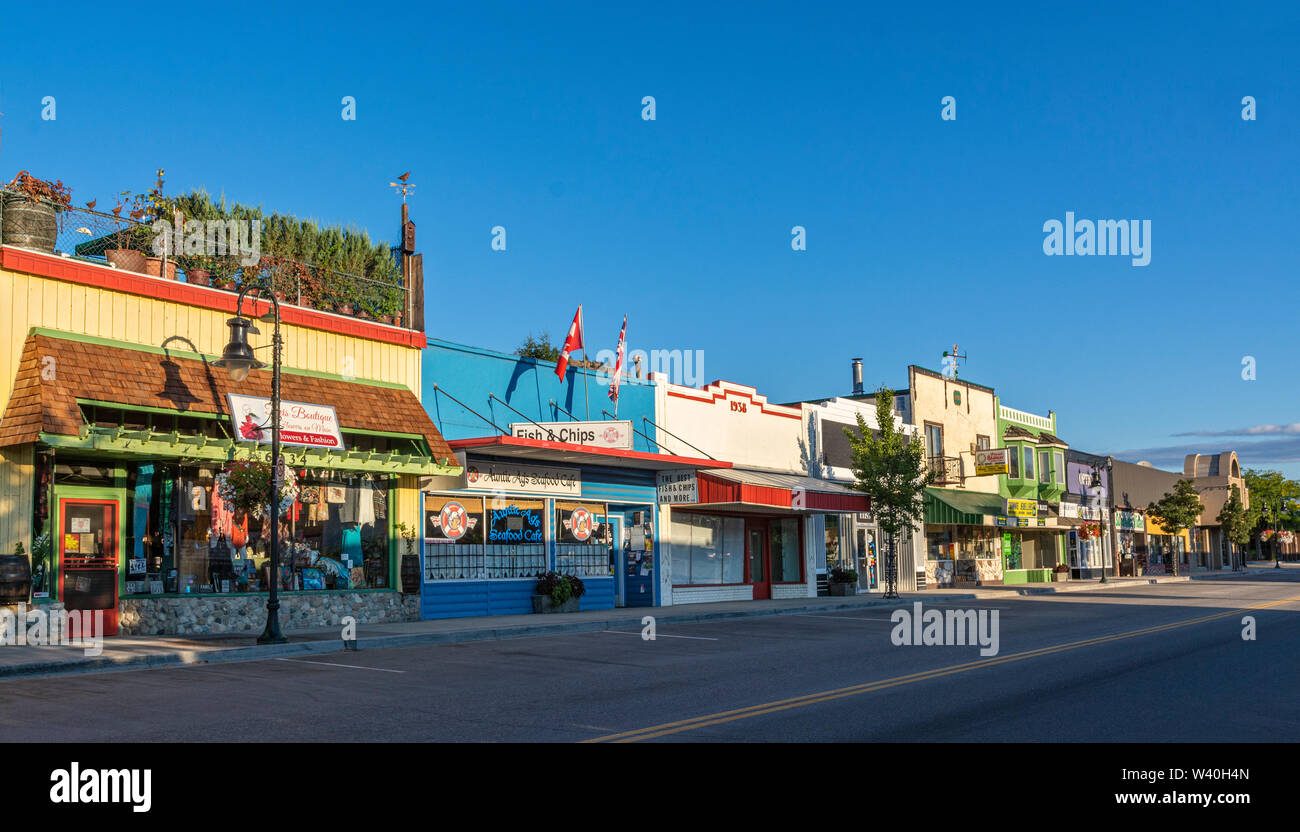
(757, 572)
(89, 547)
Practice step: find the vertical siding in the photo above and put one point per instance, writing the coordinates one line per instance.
(32, 301)
(16, 474)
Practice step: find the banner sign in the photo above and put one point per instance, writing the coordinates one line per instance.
(313, 425)
(1129, 521)
(678, 487)
(1022, 508)
(491, 475)
(611, 434)
(992, 461)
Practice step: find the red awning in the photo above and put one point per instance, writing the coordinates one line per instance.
(744, 489)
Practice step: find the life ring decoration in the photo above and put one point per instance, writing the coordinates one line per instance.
(581, 524)
(453, 520)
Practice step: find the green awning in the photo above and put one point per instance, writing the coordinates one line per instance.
(966, 508)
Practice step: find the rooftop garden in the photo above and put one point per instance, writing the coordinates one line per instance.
(209, 242)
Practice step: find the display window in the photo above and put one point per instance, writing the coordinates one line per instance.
(708, 549)
(583, 539)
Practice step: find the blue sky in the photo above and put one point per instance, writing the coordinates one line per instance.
(920, 232)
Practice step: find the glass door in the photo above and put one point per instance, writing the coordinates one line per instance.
(89, 555)
(756, 566)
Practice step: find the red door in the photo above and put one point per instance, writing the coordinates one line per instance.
(88, 555)
(757, 569)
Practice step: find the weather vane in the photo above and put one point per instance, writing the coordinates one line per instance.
(950, 360)
(402, 185)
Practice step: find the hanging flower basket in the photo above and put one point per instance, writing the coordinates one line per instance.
(1089, 530)
(245, 486)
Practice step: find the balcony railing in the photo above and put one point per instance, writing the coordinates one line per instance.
(122, 243)
(946, 469)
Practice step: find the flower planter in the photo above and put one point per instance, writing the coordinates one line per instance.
(126, 259)
(840, 588)
(199, 277)
(16, 579)
(1060, 577)
(28, 223)
(544, 604)
(153, 267)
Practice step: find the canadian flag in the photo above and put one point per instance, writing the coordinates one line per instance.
(573, 341)
(618, 362)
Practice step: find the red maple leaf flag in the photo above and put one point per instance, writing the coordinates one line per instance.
(618, 362)
(573, 341)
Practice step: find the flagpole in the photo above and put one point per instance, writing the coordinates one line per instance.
(586, 383)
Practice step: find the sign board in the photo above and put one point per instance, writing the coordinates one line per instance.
(1080, 511)
(313, 425)
(678, 487)
(492, 475)
(1022, 508)
(1130, 521)
(992, 461)
(611, 434)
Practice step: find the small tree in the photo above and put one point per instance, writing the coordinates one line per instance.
(1235, 520)
(1273, 496)
(539, 348)
(890, 469)
(1177, 510)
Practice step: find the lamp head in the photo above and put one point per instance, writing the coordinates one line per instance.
(238, 358)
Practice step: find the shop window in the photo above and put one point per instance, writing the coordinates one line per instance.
(1029, 463)
(783, 543)
(708, 549)
(831, 556)
(1059, 458)
(1044, 467)
(453, 538)
(1013, 461)
(516, 538)
(583, 537)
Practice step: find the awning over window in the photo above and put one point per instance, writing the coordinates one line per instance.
(743, 488)
(963, 508)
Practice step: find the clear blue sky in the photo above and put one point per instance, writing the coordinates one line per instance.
(920, 232)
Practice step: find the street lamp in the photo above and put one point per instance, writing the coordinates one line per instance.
(1099, 485)
(238, 359)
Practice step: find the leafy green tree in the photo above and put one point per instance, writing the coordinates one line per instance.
(539, 348)
(1274, 497)
(1235, 520)
(891, 470)
(1177, 510)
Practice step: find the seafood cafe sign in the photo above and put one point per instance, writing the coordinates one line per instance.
(312, 425)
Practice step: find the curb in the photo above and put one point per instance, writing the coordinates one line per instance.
(489, 633)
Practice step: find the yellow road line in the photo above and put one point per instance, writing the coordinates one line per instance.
(826, 696)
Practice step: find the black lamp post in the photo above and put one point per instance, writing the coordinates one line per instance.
(1100, 484)
(238, 359)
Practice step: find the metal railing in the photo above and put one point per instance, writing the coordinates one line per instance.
(119, 242)
(946, 469)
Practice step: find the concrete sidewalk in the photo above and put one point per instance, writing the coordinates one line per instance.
(124, 652)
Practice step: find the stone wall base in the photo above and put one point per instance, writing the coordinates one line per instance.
(216, 613)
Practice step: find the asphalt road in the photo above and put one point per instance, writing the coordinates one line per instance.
(1155, 663)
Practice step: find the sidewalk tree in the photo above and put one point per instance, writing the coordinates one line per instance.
(1177, 510)
(1235, 520)
(891, 470)
(1273, 496)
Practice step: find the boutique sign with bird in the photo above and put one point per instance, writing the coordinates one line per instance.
(312, 425)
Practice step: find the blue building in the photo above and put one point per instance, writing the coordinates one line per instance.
(551, 482)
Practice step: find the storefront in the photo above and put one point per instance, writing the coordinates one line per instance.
(1130, 542)
(133, 457)
(963, 541)
(746, 535)
(525, 506)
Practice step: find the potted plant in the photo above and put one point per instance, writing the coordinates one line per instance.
(29, 211)
(410, 560)
(557, 593)
(1060, 573)
(843, 581)
(41, 549)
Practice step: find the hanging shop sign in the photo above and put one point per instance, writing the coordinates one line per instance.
(312, 425)
(611, 434)
(490, 475)
(1022, 508)
(992, 461)
(678, 487)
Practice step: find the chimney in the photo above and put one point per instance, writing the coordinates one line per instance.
(857, 377)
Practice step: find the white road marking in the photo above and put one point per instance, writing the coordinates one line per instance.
(334, 664)
(838, 617)
(657, 635)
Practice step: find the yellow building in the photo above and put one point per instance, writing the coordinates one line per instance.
(116, 425)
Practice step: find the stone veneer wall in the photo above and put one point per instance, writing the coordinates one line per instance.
(216, 613)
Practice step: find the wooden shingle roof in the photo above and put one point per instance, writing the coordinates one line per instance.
(56, 371)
